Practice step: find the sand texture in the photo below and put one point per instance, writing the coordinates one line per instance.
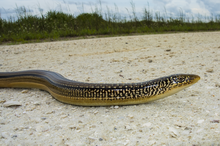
(190, 117)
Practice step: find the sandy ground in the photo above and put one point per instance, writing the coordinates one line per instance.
(190, 117)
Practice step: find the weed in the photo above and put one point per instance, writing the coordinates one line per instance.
(54, 25)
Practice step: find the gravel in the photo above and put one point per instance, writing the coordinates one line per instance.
(190, 117)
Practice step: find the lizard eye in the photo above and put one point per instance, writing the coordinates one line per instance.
(179, 79)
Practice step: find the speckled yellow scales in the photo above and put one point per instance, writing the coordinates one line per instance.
(96, 94)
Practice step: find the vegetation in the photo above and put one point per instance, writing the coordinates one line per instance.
(54, 25)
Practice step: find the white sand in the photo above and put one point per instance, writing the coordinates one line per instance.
(186, 118)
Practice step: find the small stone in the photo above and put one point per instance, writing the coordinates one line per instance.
(95, 112)
(57, 127)
(93, 138)
(209, 70)
(50, 112)
(37, 103)
(144, 71)
(150, 60)
(131, 116)
(186, 132)
(4, 135)
(11, 103)
(14, 136)
(147, 124)
(214, 121)
(200, 121)
(128, 127)
(116, 107)
(199, 130)
(187, 128)
(88, 79)
(168, 50)
(179, 125)
(121, 76)
(2, 121)
(72, 127)
(152, 142)
(217, 85)
(100, 139)
(2, 100)
(93, 126)
(173, 132)
(24, 91)
(43, 118)
(63, 116)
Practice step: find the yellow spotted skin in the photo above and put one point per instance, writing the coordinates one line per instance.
(96, 94)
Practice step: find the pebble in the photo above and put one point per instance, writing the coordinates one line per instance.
(200, 121)
(128, 127)
(96, 112)
(168, 50)
(199, 130)
(173, 132)
(72, 127)
(186, 132)
(24, 91)
(63, 116)
(37, 103)
(58, 127)
(43, 118)
(2, 121)
(11, 103)
(217, 85)
(209, 70)
(146, 124)
(93, 138)
(131, 116)
(14, 136)
(150, 60)
(50, 112)
(4, 135)
(2, 100)
(214, 121)
(116, 107)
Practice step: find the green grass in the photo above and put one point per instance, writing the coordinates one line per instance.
(55, 25)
